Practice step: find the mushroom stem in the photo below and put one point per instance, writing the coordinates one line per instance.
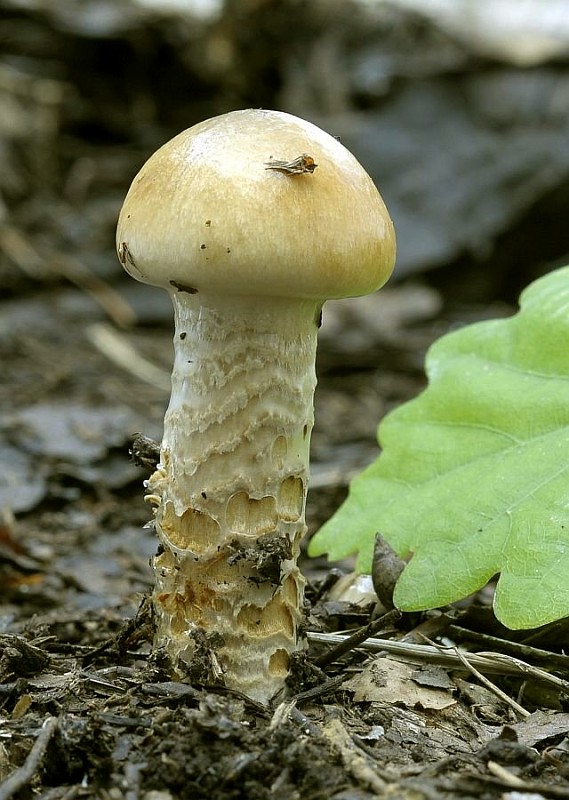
(231, 487)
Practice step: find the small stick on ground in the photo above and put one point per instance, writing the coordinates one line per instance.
(492, 686)
(24, 774)
(382, 624)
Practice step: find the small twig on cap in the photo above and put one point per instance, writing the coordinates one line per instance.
(299, 166)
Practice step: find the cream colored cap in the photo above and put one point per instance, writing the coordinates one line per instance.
(215, 210)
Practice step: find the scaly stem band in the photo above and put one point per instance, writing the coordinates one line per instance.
(230, 491)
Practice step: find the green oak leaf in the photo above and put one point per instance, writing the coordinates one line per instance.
(473, 479)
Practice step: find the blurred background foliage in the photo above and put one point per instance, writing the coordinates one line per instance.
(459, 109)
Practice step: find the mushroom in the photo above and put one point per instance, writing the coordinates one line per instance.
(251, 220)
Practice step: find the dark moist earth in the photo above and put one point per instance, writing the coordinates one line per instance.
(86, 709)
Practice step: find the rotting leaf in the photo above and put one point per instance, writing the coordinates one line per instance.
(385, 680)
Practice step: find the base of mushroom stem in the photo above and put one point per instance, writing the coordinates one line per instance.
(232, 618)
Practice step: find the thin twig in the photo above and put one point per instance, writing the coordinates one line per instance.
(493, 663)
(107, 297)
(517, 649)
(355, 761)
(380, 625)
(46, 265)
(468, 784)
(307, 726)
(24, 774)
(61, 793)
(505, 775)
(117, 349)
(288, 711)
(318, 691)
(489, 685)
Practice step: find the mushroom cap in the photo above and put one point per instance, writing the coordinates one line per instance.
(209, 212)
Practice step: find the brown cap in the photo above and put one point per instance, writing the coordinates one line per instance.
(256, 202)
